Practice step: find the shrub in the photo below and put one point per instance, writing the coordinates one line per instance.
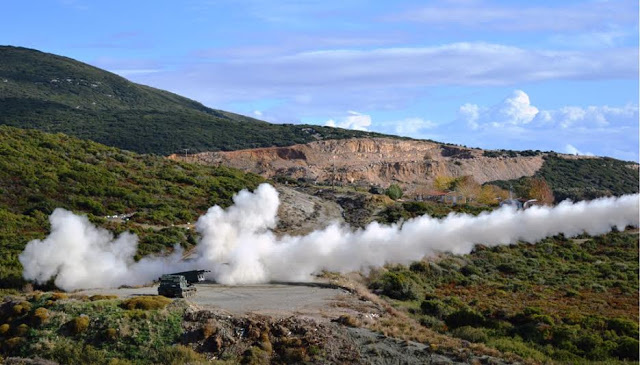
(208, 330)
(111, 334)
(464, 317)
(40, 315)
(93, 298)
(519, 348)
(4, 329)
(397, 286)
(394, 192)
(180, 354)
(22, 330)
(432, 322)
(146, 302)
(59, 296)
(627, 348)
(623, 327)
(435, 307)
(255, 355)
(470, 334)
(79, 324)
(13, 342)
(347, 320)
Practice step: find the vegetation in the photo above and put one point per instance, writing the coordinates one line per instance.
(58, 94)
(40, 171)
(565, 300)
(581, 178)
(112, 335)
(394, 192)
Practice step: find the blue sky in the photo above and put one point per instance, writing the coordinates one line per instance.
(548, 75)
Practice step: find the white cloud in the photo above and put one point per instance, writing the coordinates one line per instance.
(411, 126)
(517, 110)
(369, 78)
(353, 120)
(257, 113)
(570, 149)
(515, 17)
(516, 123)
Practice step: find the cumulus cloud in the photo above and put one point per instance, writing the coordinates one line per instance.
(353, 120)
(518, 124)
(517, 110)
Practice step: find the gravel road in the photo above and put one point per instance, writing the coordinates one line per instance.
(268, 299)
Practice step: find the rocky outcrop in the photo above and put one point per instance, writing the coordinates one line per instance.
(373, 161)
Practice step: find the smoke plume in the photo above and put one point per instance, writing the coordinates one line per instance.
(238, 246)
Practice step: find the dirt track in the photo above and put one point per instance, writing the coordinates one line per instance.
(268, 299)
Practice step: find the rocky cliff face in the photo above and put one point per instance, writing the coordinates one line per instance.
(373, 161)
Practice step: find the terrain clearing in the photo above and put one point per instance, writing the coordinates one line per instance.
(277, 300)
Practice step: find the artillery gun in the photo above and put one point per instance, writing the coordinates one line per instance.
(180, 284)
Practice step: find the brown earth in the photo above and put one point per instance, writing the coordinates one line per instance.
(372, 161)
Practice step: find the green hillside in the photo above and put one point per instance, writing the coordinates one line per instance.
(40, 171)
(58, 94)
(582, 178)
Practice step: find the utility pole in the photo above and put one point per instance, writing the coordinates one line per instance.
(186, 154)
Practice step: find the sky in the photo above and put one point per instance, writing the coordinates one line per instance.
(539, 75)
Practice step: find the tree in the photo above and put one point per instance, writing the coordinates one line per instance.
(443, 182)
(491, 195)
(468, 187)
(394, 192)
(539, 189)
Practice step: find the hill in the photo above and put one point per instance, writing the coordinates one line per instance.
(415, 165)
(58, 94)
(41, 171)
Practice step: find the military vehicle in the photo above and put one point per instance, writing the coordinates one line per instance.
(180, 284)
(193, 276)
(175, 286)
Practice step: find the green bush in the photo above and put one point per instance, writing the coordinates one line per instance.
(623, 327)
(397, 285)
(435, 307)
(519, 348)
(627, 348)
(464, 317)
(394, 192)
(471, 334)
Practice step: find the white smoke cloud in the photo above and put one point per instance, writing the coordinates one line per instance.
(238, 246)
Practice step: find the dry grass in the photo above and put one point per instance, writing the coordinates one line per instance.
(146, 302)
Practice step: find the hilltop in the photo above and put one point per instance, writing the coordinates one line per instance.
(58, 94)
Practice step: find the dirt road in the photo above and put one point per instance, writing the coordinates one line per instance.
(269, 299)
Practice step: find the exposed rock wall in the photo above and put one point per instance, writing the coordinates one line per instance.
(373, 161)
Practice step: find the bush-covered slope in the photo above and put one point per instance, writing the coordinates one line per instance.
(57, 94)
(565, 300)
(40, 171)
(582, 178)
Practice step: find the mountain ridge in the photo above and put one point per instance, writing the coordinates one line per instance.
(58, 94)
